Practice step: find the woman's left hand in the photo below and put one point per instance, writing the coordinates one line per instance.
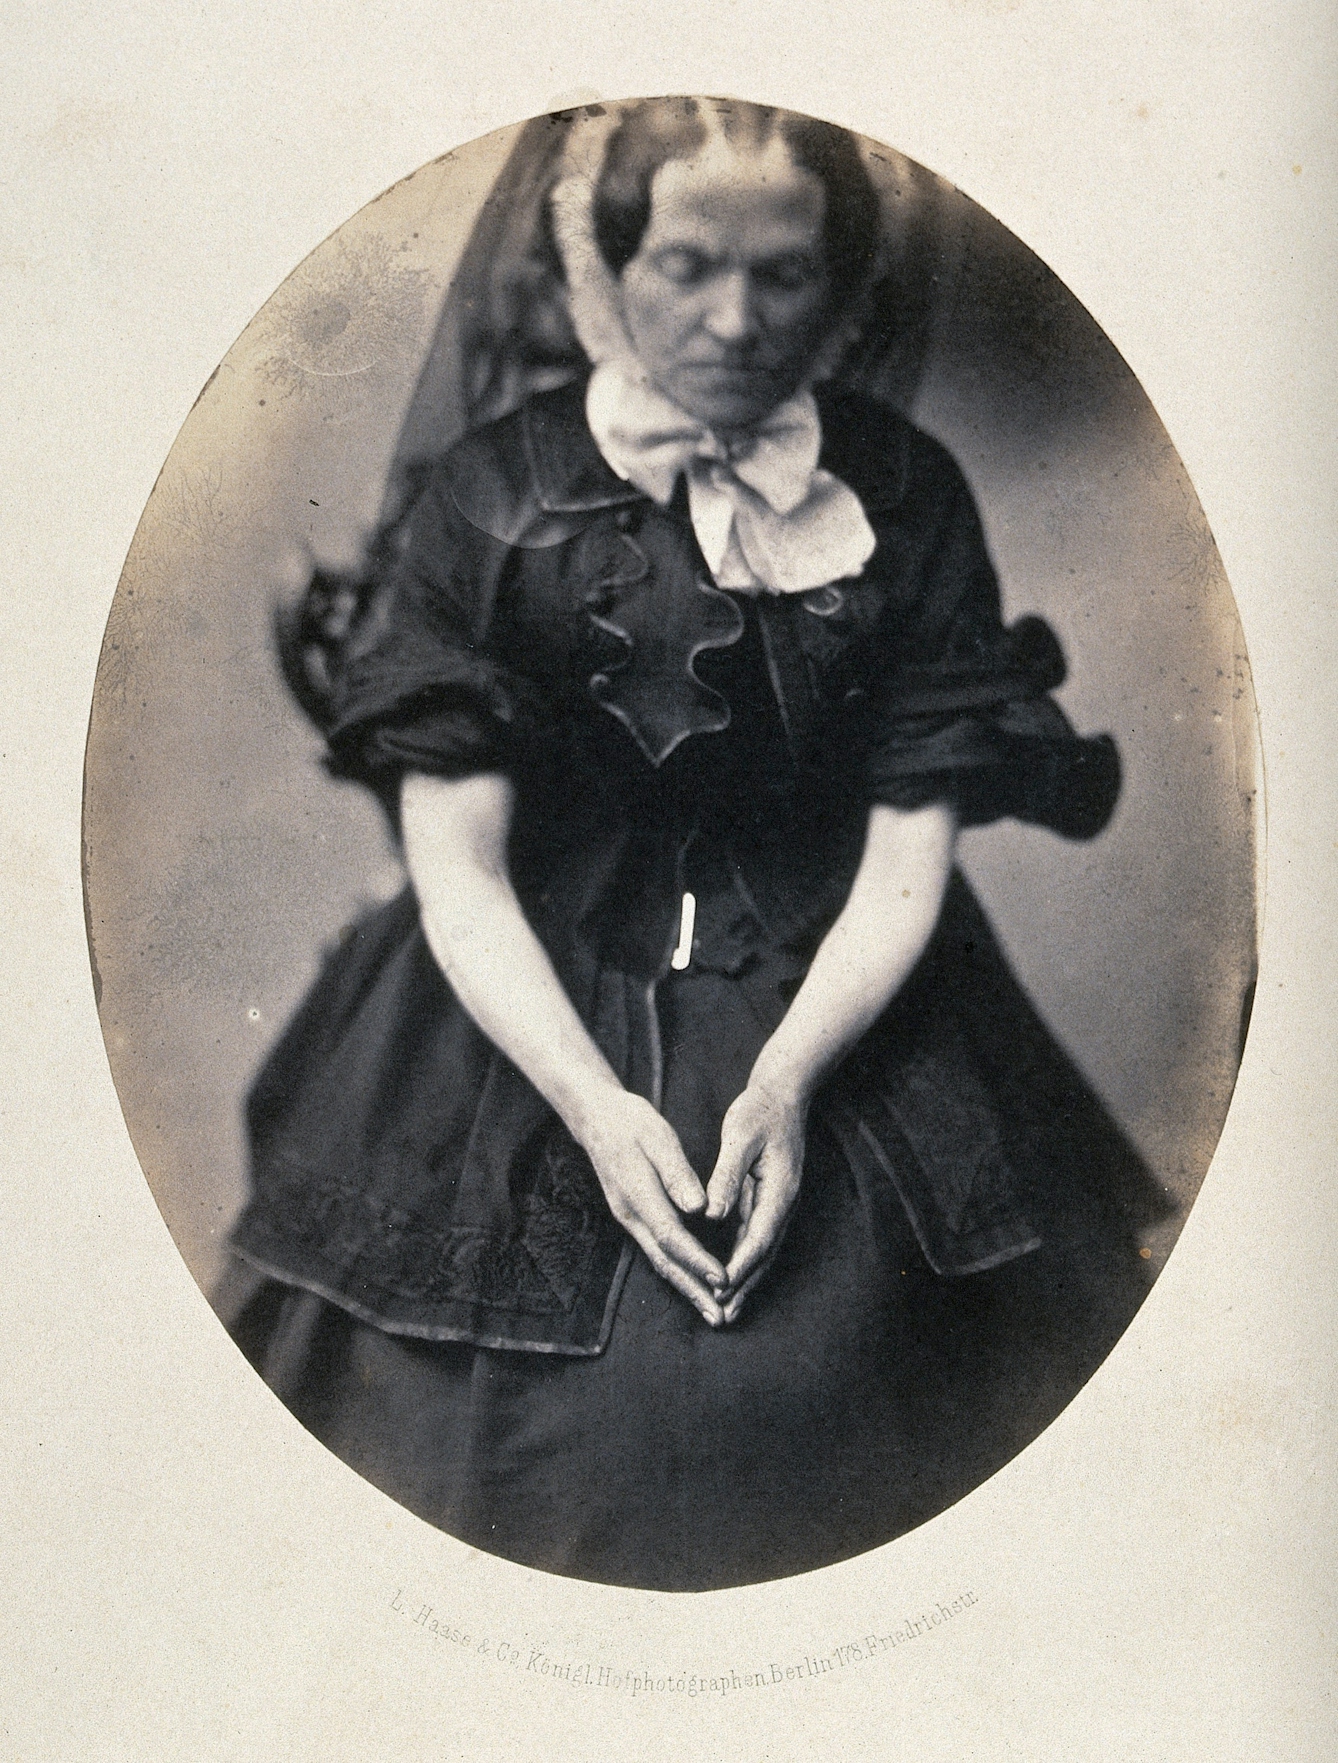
(759, 1168)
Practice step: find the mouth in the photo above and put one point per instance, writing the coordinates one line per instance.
(731, 369)
(730, 375)
(729, 391)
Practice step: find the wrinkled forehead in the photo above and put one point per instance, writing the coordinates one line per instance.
(743, 189)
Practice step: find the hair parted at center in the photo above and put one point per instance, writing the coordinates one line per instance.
(659, 130)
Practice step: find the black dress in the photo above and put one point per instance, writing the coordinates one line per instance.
(437, 1289)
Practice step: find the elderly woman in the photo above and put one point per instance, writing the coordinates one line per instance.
(673, 1187)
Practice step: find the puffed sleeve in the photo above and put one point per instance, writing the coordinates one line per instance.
(960, 710)
(416, 685)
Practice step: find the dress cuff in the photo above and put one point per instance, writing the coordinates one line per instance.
(1017, 764)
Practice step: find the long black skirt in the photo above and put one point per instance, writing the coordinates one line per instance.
(858, 1395)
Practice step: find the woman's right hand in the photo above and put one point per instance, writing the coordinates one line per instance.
(456, 832)
(648, 1182)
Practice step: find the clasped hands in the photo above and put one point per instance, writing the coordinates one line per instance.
(650, 1186)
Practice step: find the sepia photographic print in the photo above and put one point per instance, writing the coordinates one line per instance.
(1099, 318)
(670, 844)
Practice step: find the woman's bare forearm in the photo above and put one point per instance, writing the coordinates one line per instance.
(455, 838)
(880, 934)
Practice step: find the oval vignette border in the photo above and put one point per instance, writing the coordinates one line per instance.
(220, 859)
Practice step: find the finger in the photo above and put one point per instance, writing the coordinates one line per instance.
(702, 1300)
(735, 1303)
(652, 1210)
(643, 1208)
(738, 1152)
(761, 1234)
(747, 1198)
(677, 1176)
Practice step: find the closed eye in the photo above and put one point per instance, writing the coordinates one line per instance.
(789, 273)
(681, 266)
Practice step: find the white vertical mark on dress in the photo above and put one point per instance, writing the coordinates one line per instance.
(683, 953)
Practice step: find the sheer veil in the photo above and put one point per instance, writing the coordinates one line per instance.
(530, 304)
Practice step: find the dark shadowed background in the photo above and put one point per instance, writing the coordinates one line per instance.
(220, 860)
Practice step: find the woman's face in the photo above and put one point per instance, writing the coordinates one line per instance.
(727, 299)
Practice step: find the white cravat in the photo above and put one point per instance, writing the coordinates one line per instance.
(764, 512)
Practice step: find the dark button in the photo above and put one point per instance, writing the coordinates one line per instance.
(625, 519)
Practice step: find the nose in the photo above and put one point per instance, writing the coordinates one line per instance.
(730, 315)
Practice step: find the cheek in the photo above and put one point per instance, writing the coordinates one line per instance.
(802, 315)
(656, 318)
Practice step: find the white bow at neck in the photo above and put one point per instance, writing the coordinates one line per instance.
(766, 515)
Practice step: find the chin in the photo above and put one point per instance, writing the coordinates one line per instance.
(725, 408)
